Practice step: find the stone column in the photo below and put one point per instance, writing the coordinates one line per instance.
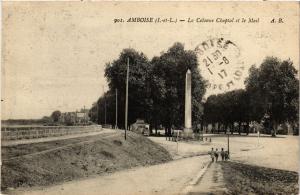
(188, 104)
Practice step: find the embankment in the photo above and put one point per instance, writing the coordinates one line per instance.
(48, 163)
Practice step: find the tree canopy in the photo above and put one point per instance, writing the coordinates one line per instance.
(271, 92)
(156, 88)
(56, 115)
(226, 109)
(274, 89)
(168, 86)
(157, 92)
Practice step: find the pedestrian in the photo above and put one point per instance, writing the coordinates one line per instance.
(216, 154)
(223, 154)
(226, 155)
(212, 154)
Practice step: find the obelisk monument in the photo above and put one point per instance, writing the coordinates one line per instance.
(188, 104)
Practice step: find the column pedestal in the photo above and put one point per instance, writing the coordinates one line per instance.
(188, 133)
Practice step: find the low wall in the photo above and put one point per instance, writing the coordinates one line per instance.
(186, 136)
(44, 131)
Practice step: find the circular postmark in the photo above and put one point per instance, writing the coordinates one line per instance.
(220, 63)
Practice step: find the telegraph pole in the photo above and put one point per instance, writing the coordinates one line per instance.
(98, 121)
(116, 127)
(84, 115)
(105, 110)
(126, 103)
(104, 106)
(228, 144)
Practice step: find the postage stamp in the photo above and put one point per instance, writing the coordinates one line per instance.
(220, 60)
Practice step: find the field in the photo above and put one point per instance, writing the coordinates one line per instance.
(48, 163)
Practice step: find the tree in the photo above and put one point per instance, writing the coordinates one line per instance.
(273, 89)
(211, 111)
(168, 86)
(56, 115)
(93, 113)
(138, 97)
(156, 88)
(226, 109)
(241, 109)
(69, 119)
(271, 92)
(46, 119)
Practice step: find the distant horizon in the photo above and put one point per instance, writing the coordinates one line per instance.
(37, 118)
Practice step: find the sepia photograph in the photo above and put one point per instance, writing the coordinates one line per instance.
(150, 98)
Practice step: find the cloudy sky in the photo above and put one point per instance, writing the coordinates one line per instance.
(54, 53)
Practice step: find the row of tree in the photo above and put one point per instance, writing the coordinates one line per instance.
(156, 89)
(224, 110)
(270, 97)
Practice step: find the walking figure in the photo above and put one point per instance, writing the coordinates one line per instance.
(216, 154)
(226, 155)
(223, 154)
(212, 154)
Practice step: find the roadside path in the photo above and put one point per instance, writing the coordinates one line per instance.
(208, 180)
(167, 178)
(212, 181)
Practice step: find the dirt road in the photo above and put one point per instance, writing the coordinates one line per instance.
(281, 152)
(182, 176)
(167, 178)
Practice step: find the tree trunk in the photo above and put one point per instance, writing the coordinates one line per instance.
(150, 129)
(169, 132)
(247, 128)
(166, 133)
(274, 128)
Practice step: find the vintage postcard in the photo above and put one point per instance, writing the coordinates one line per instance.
(115, 97)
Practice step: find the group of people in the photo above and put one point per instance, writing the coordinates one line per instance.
(214, 154)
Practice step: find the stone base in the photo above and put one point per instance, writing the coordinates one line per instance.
(188, 133)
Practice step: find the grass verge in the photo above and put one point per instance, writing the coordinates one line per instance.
(247, 179)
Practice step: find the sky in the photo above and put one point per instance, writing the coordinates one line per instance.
(54, 53)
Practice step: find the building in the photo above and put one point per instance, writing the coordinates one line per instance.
(75, 118)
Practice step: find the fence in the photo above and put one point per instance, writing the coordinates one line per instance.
(13, 133)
